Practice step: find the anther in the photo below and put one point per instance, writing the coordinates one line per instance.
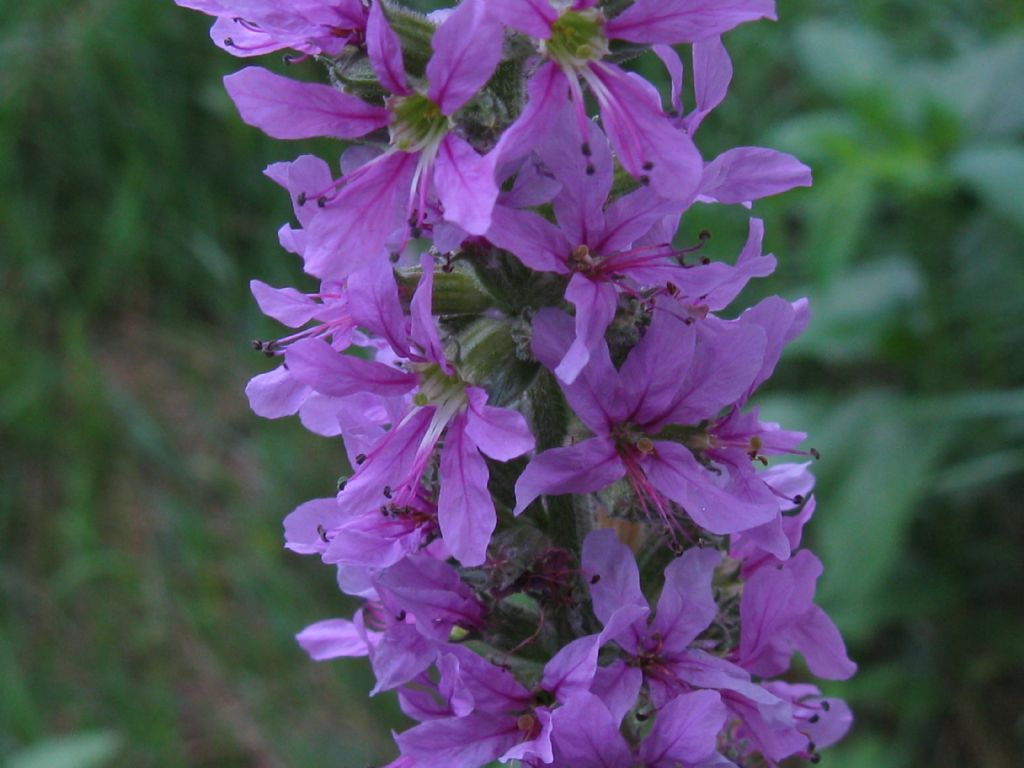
(826, 706)
(595, 578)
(815, 453)
(229, 42)
(811, 746)
(323, 534)
(645, 180)
(799, 499)
(648, 166)
(705, 234)
(360, 458)
(814, 718)
(585, 149)
(672, 288)
(301, 199)
(645, 445)
(387, 491)
(591, 170)
(642, 716)
(342, 482)
(815, 758)
(400, 616)
(292, 58)
(321, 201)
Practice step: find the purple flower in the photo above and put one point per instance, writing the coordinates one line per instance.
(360, 213)
(440, 405)
(673, 376)
(254, 27)
(779, 617)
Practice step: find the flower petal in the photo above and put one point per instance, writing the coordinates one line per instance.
(684, 21)
(467, 48)
(465, 509)
(465, 184)
(501, 433)
(587, 466)
(286, 109)
(385, 51)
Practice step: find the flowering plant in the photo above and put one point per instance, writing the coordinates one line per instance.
(543, 398)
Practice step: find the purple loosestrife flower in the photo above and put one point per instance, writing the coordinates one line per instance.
(673, 376)
(361, 212)
(442, 404)
(255, 27)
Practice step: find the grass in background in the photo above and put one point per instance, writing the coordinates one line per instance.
(145, 601)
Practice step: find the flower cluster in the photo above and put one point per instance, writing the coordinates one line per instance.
(540, 387)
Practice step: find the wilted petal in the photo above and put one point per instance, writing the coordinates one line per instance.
(286, 109)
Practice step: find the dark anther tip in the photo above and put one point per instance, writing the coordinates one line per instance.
(301, 199)
(591, 170)
(595, 578)
(813, 719)
(648, 166)
(798, 499)
(321, 201)
(645, 180)
(826, 706)
(360, 458)
(229, 42)
(585, 149)
(400, 616)
(815, 453)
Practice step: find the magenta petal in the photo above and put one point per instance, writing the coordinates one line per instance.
(385, 51)
(332, 639)
(465, 184)
(582, 468)
(676, 473)
(501, 433)
(374, 304)
(818, 639)
(572, 669)
(353, 228)
(586, 735)
(276, 393)
(467, 48)
(286, 109)
(301, 177)
(286, 305)
(306, 525)
(684, 21)
(531, 17)
(465, 509)
(712, 73)
(750, 173)
(546, 105)
(595, 396)
(596, 303)
(401, 655)
(462, 742)
(423, 329)
(685, 731)
(314, 362)
(674, 65)
(531, 238)
(610, 569)
(646, 142)
(585, 180)
(618, 686)
(686, 606)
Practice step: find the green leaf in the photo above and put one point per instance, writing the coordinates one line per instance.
(80, 750)
(844, 58)
(996, 173)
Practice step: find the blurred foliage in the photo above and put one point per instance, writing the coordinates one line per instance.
(146, 607)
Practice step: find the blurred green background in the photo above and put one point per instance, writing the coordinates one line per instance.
(146, 606)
